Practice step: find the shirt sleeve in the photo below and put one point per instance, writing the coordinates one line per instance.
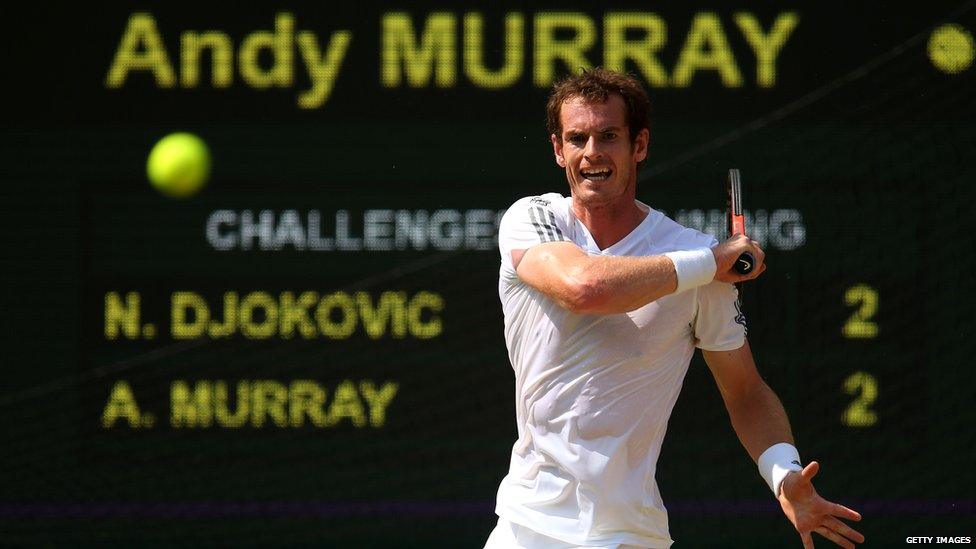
(530, 221)
(719, 323)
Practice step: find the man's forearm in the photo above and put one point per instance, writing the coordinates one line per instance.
(609, 285)
(759, 420)
(604, 284)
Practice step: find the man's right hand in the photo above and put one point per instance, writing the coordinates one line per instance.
(727, 252)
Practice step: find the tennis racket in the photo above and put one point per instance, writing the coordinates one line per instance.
(737, 220)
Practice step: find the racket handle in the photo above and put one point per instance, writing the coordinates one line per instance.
(744, 264)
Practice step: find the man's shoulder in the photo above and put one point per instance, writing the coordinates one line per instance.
(668, 233)
(535, 219)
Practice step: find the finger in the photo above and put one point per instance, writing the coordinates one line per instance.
(810, 470)
(807, 540)
(760, 267)
(834, 537)
(760, 253)
(843, 529)
(844, 512)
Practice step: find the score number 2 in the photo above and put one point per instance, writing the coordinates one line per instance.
(860, 325)
(859, 412)
(862, 384)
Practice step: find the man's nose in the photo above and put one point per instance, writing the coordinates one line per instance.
(592, 150)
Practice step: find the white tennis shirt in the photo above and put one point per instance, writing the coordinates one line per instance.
(594, 392)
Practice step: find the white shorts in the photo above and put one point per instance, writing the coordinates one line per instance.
(507, 535)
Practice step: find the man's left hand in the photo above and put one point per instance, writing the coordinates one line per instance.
(811, 513)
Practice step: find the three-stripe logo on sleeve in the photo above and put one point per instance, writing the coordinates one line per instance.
(545, 224)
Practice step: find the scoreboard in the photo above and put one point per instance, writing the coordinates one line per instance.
(310, 349)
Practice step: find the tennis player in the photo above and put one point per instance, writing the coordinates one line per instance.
(605, 300)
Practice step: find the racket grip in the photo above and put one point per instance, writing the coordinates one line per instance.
(744, 264)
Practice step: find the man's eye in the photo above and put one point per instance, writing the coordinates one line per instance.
(577, 139)
(610, 136)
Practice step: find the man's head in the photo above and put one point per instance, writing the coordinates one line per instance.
(599, 128)
(596, 86)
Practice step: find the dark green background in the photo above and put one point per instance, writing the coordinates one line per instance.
(861, 134)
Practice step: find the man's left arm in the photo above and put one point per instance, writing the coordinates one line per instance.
(760, 422)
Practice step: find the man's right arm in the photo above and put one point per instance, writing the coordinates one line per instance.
(587, 284)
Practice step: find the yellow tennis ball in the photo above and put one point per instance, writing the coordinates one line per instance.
(178, 165)
(951, 49)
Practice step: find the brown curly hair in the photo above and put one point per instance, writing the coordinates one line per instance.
(595, 86)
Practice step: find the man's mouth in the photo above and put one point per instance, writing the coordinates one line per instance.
(597, 174)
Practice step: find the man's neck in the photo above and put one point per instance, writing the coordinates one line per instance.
(609, 223)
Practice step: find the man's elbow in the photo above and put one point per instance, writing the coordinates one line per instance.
(585, 295)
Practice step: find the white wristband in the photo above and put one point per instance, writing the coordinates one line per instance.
(777, 462)
(693, 267)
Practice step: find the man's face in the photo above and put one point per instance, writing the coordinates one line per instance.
(597, 152)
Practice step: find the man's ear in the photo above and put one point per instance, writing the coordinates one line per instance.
(640, 145)
(557, 149)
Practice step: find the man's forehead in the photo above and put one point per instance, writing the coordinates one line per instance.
(579, 113)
